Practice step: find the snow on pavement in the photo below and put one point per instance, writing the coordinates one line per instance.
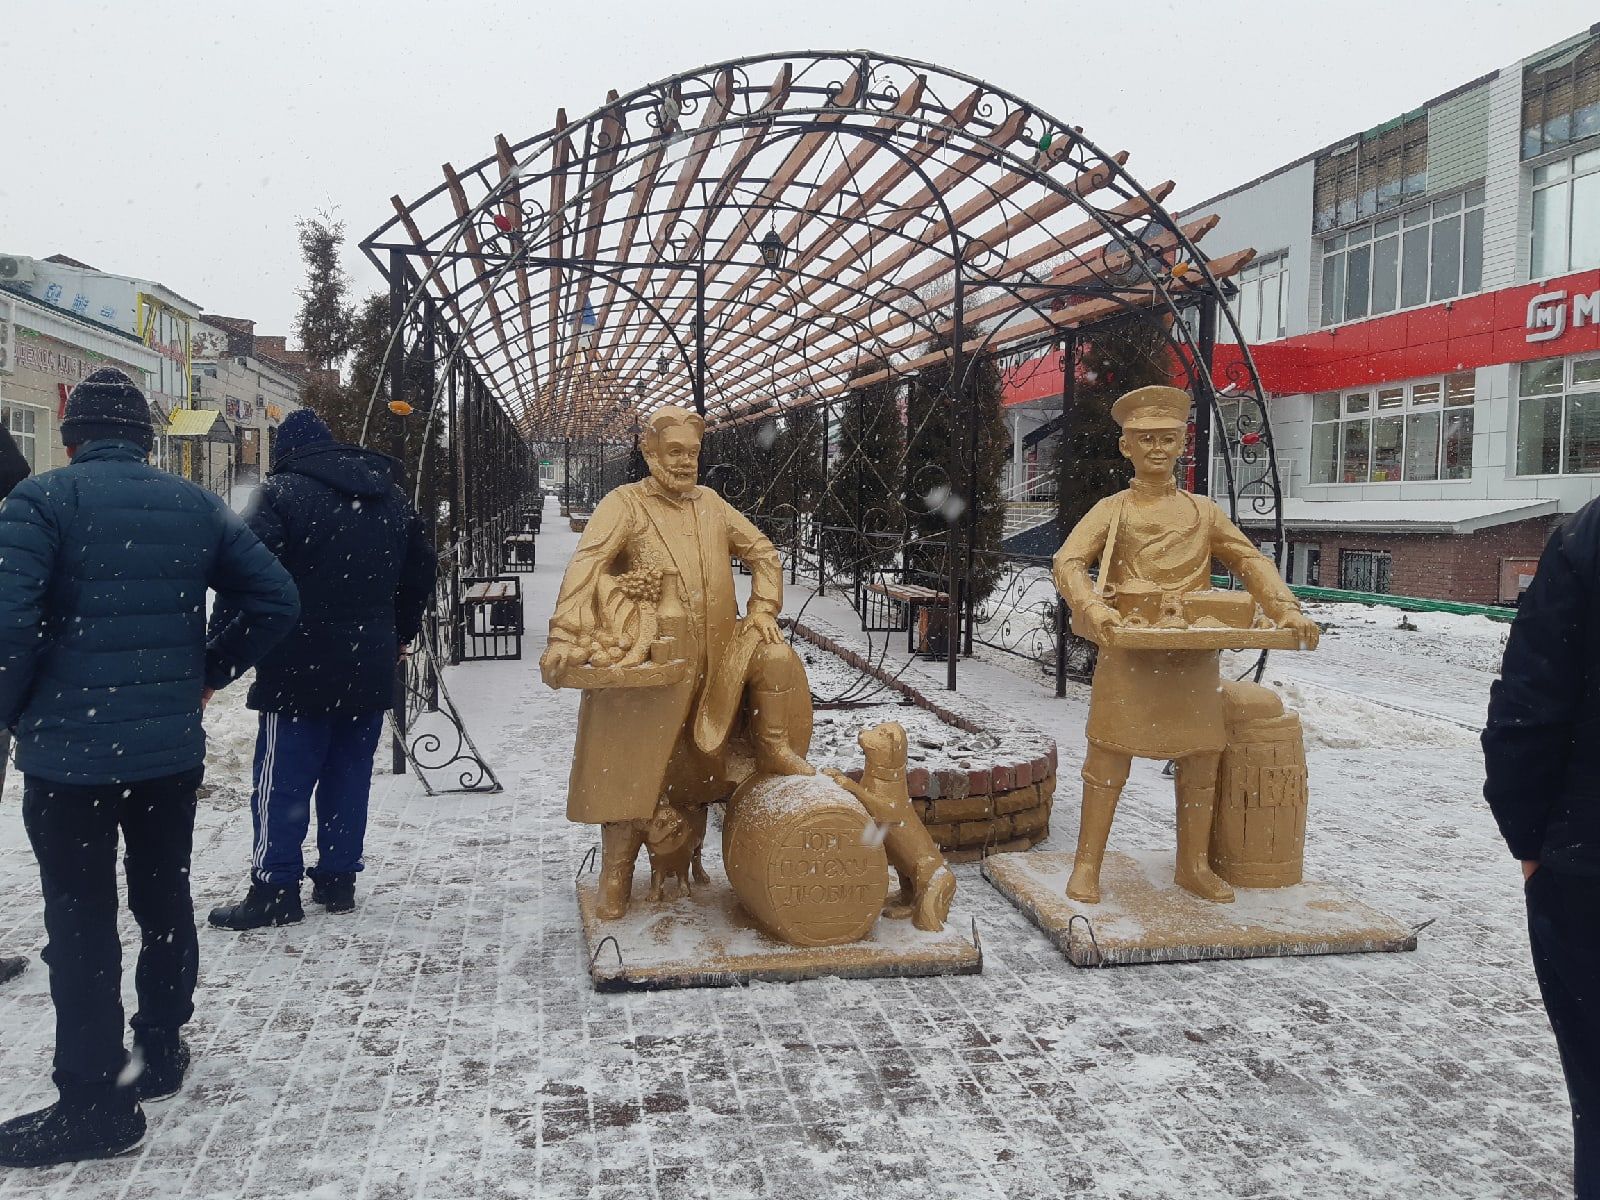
(444, 1041)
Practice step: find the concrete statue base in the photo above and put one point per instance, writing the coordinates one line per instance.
(1143, 917)
(708, 940)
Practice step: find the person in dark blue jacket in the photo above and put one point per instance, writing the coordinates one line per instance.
(105, 667)
(1541, 750)
(364, 565)
(14, 469)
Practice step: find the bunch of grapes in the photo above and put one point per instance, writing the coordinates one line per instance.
(643, 583)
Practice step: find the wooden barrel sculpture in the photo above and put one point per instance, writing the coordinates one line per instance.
(1258, 837)
(794, 850)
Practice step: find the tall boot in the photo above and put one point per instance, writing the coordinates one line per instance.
(1196, 786)
(1094, 828)
(620, 842)
(769, 733)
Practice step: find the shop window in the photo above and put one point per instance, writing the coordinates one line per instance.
(1566, 215)
(22, 423)
(1262, 306)
(1558, 416)
(1401, 432)
(1429, 253)
(1561, 99)
(1364, 570)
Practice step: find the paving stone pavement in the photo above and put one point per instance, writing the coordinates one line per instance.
(444, 1042)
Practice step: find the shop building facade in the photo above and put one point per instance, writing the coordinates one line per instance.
(234, 375)
(1424, 312)
(44, 353)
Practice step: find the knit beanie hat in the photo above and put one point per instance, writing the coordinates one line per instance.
(300, 429)
(107, 405)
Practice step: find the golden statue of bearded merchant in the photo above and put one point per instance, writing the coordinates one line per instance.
(1154, 546)
(653, 572)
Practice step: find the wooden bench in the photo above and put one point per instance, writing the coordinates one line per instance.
(519, 549)
(918, 601)
(489, 591)
(491, 618)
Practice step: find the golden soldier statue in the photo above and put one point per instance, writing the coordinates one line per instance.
(1154, 546)
(653, 572)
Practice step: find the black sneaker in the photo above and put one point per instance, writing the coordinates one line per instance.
(163, 1058)
(10, 968)
(71, 1131)
(336, 893)
(265, 904)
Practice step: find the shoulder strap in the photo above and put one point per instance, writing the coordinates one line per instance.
(1103, 580)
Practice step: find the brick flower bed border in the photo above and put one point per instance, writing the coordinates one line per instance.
(970, 812)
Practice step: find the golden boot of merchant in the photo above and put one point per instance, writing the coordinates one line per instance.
(1160, 628)
(647, 624)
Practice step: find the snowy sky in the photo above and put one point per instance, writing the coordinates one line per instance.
(179, 140)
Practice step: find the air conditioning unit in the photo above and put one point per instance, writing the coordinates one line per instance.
(16, 269)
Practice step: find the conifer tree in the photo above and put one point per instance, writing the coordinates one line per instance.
(795, 485)
(862, 510)
(1117, 358)
(324, 323)
(938, 490)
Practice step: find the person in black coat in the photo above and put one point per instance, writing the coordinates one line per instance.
(105, 667)
(365, 567)
(13, 470)
(1542, 757)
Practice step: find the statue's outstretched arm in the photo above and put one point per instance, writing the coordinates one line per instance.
(756, 551)
(1255, 570)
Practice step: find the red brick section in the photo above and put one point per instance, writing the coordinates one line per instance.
(1437, 566)
(968, 812)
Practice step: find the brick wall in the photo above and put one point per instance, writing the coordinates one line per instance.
(1438, 566)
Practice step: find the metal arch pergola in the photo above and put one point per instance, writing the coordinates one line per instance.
(769, 233)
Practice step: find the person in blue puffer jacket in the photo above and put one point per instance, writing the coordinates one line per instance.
(105, 667)
(364, 564)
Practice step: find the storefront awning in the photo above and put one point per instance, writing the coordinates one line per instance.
(1402, 516)
(198, 423)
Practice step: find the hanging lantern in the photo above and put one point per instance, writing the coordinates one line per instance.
(772, 250)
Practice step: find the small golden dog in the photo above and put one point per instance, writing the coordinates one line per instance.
(927, 885)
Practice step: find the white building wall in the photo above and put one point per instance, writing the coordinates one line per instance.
(1269, 216)
(1505, 249)
(1476, 134)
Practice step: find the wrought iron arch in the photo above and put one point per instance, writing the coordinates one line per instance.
(617, 262)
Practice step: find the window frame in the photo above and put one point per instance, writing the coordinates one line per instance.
(1379, 562)
(1335, 249)
(1565, 71)
(1566, 184)
(24, 440)
(1562, 399)
(1251, 281)
(1441, 396)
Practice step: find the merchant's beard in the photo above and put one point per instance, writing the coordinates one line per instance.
(666, 479)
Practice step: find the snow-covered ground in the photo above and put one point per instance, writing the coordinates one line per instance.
(444, 1040)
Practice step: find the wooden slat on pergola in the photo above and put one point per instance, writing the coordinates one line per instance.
(604, 267)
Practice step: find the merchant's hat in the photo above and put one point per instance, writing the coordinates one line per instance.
(1153, 407)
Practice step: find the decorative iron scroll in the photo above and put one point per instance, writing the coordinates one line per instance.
(435, 740)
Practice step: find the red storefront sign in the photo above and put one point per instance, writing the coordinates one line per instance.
(1536, 320)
